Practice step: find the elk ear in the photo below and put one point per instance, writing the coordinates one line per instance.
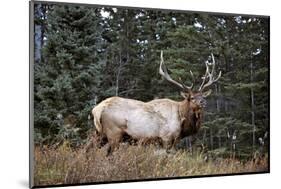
(185, 95)
(207, 93)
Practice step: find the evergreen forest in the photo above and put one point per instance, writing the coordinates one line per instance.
(85, 54)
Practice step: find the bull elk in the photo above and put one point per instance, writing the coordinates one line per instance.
(166, 119)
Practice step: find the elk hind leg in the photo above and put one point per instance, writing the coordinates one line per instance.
(113, 144)
(114, 137)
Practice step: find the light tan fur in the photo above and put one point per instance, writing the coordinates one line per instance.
(160, 118)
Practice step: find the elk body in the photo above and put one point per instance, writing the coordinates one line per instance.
(166, 119)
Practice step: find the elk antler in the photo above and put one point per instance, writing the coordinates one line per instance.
(209, 75)
(163, 71)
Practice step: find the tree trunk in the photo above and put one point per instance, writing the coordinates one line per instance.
(217, 99)
(253, 106)
(118, 75)
(211, 139)
(225, 105)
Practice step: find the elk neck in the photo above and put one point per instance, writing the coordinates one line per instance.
(190, 118)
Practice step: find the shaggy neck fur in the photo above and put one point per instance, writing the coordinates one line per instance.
(190, 119)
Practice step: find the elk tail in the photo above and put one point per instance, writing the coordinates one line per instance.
(96, 112)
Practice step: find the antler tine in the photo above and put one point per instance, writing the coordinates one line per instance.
(185, 87)
(193, 81)
(163, 71)
(192, 76)
(213, 64)
(205, 76)
(209, 75)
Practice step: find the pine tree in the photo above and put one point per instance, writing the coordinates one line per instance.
(68, 79)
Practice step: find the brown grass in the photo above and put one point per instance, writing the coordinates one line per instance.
(65, 165)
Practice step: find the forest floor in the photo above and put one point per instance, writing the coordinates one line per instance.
(65, 165)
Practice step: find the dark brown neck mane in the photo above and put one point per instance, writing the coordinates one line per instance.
(190, 119)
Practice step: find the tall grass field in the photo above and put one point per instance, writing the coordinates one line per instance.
(66, 165)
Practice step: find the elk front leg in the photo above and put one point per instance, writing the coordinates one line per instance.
(170, 145)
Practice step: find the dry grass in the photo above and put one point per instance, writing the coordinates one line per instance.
(65, 165)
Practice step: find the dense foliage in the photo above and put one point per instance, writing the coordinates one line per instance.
(88, 54)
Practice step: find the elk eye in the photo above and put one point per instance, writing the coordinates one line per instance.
(192, 98)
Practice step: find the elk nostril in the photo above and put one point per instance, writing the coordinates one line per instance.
(202, 103)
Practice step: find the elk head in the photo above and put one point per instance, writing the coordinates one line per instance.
(196, 98)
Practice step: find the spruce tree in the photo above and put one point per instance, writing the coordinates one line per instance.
(67, 82)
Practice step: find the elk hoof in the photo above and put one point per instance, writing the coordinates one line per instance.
(171, 151)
